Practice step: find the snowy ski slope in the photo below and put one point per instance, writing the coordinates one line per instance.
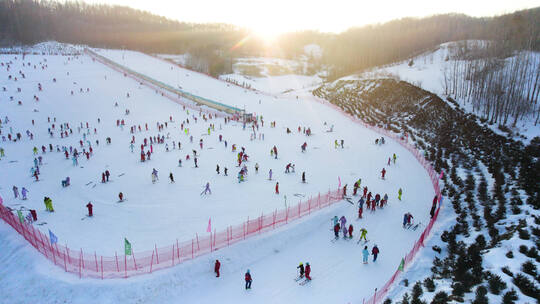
(158, 214)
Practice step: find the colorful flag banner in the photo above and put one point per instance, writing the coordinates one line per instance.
(127, 246)
(21, 217)
(53, 237)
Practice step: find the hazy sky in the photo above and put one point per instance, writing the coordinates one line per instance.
(271, 17)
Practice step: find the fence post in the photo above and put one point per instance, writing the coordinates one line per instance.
(214, 238)
(152, 262)
(157, 255)
(177, 251)
(173, 254)
(116, 256)
(82, 258)
(102, 267)
(211, 249)
(67, 248)
(95, 256)
(198, 247)
(125, 266)
(54, 256)
(65, 265)
(191, 248)
(260, 222)
(287, 215)
(80, 270)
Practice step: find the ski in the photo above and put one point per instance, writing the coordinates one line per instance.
(304, 282)
(298, 279)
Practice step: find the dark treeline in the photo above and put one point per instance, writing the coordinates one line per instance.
(31, 21)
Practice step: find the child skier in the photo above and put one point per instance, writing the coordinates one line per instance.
(217, 265)
(248, 279)
(89, 206)
(277, 188)
(336, 230)
(363, 234)
(365, 255)
(350, 231)
(383, 172)
(301, 267)
(171, 177)
(308, 272)
(399, 193)
(24, 192)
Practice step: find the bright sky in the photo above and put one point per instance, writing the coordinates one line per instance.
(272, 17)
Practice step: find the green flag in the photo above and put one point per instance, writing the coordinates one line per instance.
(21, 217)
(401, 265)
(127, 245)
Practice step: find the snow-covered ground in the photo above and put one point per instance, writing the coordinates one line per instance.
(158, 214)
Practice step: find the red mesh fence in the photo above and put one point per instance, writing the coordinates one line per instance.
(90, 264)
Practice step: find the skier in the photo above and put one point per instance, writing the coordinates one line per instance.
(225, 171)
(89, 206)
(171, 177)
(248, 279)
(363, 234)
(217, 169)
(206, 189)
(383, 172)
(277, 188)
(256, 168)
(343, 221)
(270, 174)
(336, 230)
(217, 265)
(405, 219)
(308, 271)
(344, 230)
(360, 207)
(375, 252)
(365, 255)
(394, 157)
(399, 193)
(15, 191)
(350, 231)
(335, 220)
(304, 177)
(24, 191)
(301, 267)
(48, 204)
(121, 196)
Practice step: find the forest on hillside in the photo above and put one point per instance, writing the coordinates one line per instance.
(31, 21)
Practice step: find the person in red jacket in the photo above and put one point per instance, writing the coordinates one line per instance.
(89, 206)
(375, 252)
(277, 188)
(336, 230)
(216, 268)
(350, 231)
(248, 280)
(383, 172)
(307, 272)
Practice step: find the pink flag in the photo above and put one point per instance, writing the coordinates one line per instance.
(339, 180)
(442, 172)
(209, 229)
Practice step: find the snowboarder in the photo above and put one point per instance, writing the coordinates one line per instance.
(399, 193)
(375, 252)
(89, 206)
(365, 255)
(301, 267)
(248, 279)
(217, 265)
